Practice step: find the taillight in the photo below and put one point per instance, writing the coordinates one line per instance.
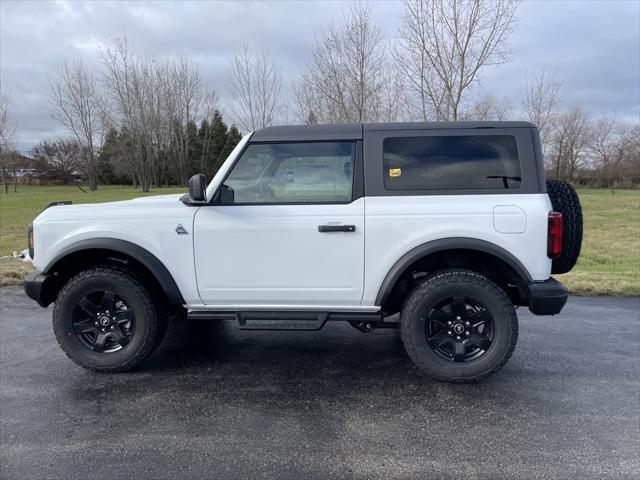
(554, 235)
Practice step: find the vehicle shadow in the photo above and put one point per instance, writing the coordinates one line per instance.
(321, 383)
(191, 344)
(334, 361)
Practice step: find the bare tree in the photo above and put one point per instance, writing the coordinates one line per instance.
(489, 107)
(127, 84)
(444, 44)
(570, 142)
(255, 81)
(630, 167)
(76, 105)
(346, 79)
(7, 134)
(541, 97)
(610, 142)
(392, 105)
(155, 105)
(185, 90)
(63, 156)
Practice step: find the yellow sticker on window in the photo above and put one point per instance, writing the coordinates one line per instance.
(395, 172)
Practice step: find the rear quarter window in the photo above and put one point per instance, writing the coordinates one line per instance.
(451, 162)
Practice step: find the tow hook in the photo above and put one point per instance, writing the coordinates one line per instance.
(364, 327)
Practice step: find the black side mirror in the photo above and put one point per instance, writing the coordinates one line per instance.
(198, 188)
(227, 197)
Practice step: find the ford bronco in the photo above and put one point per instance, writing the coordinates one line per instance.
(439, 229)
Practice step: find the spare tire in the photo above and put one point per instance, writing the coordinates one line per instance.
(565, 201)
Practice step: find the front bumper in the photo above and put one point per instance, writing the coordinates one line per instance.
(548, 297)
(36, 287)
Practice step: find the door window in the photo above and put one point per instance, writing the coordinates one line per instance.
(290, 173)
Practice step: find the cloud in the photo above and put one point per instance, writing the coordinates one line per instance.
(594, 46)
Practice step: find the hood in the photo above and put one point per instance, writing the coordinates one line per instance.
(154, 199)
(137, 207)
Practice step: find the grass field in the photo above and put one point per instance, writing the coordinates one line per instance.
(18, 209)
(609, 262)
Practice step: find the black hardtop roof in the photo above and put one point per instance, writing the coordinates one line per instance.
(354, 131)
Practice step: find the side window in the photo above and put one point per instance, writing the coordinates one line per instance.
(451, 162)
(294, 173)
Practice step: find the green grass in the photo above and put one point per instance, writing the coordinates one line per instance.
(18, 209)
(609, 262)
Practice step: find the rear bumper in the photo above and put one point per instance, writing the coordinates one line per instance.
(35, 286)
(548, 297)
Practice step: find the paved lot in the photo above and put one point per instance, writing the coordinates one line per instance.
(214, 402)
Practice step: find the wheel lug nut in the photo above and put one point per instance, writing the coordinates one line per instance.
(467, 333)
(96, 323)
(449, 332)
(458, 337)
(467, 323)
(457, 318)
(449, 322)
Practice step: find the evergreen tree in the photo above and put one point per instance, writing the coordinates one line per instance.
(108, 158)
(204, 137)
(218, 142)
(233, 137)
(194, 148)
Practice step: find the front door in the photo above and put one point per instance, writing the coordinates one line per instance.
(293, 236)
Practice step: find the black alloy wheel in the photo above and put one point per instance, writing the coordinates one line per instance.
(459, 329)
(458, 326)
(103, 322)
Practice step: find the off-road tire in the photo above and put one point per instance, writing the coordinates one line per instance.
(468, 284)
(124, 285)
(164, 319)
(565, 200)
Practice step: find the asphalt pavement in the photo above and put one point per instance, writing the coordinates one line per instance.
(215, 402)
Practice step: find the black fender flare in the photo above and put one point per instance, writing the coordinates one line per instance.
(440, 245)
(146, 258)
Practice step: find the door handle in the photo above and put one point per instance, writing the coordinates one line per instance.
(336, 228)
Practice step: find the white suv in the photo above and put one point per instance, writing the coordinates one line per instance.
(450, 225)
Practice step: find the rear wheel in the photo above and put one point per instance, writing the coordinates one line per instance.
(105, 320)
(458, 326)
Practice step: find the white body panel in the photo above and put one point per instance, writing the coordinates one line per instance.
(148, 222)
(397, 224)
(239, 257)
(271, 255)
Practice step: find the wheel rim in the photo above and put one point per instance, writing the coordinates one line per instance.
(103, 322)
(459, 329)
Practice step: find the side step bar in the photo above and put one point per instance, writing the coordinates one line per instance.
(281, 321)
(294, 320)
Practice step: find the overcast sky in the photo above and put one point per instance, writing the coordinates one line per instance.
(593, 45)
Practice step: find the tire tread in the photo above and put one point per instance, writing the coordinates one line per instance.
(566, 201)
(437, 280)
(122, 275)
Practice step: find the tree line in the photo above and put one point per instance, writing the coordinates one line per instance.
(154, 122)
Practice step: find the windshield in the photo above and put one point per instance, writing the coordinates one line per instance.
(222, 172)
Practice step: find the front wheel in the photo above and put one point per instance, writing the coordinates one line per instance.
(458, 326)
(105, 320)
